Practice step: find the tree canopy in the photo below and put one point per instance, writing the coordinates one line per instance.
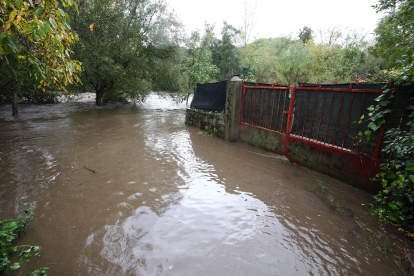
(35, 45)
(224, 52)
(395, 37)
(332, 56)
(115, 46)
(197, 65)
(305, 34)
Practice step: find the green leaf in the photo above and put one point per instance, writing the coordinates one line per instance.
(76, 6)
(38, 11)
(378, 197)
(410, 167)
(394, 216)
(375, 126)
(400, 204)
(53, 22)
(15, 266)
(12, 249)
(18, 3)
(62, 13)
(14, 44)
(393, 205)
(390, 175)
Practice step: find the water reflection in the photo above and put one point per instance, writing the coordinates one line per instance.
(199, 223)
(167, 200)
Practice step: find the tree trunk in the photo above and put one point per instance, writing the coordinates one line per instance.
(100, 91)
(15, 111)
(2, 62)
(99, 97)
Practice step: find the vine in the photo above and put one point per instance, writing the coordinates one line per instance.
(395, 42)
(396, 200)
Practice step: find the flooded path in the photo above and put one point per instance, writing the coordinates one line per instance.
(168, 199)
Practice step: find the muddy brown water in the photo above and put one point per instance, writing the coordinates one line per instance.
(168, 199)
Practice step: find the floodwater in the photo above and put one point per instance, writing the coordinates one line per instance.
(167, 199)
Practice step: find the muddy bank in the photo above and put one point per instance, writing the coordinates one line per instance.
(158, 197)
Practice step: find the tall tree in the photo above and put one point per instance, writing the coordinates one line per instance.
(251, 60)
(35, 46)
(224, 52)
(197, 65)
(329, 36)
(115, 46)
(249, 19)
(272, 48)
(395, 35)
(295, 64)
(167, 32)
(305, 34)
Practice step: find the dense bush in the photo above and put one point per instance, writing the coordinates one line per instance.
(396, 201)
(395, 42)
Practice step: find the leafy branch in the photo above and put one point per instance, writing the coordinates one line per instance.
(10, 230)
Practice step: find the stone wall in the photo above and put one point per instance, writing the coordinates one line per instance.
(225, 126)
(211, 122)
(263, 138)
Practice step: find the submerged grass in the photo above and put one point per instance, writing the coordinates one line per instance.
(380, 243)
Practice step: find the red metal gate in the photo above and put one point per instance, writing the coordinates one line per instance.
(317, 126)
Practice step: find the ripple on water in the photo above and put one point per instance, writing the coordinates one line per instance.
(213, 230)
(186, 201)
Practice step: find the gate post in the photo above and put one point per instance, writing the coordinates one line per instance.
(232, 110)
(290, 118)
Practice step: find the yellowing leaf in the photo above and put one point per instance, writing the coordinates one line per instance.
(91, 27)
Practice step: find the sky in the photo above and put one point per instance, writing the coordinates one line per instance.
(276, 18)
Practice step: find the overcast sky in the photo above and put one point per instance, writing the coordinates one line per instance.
(276, 18)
